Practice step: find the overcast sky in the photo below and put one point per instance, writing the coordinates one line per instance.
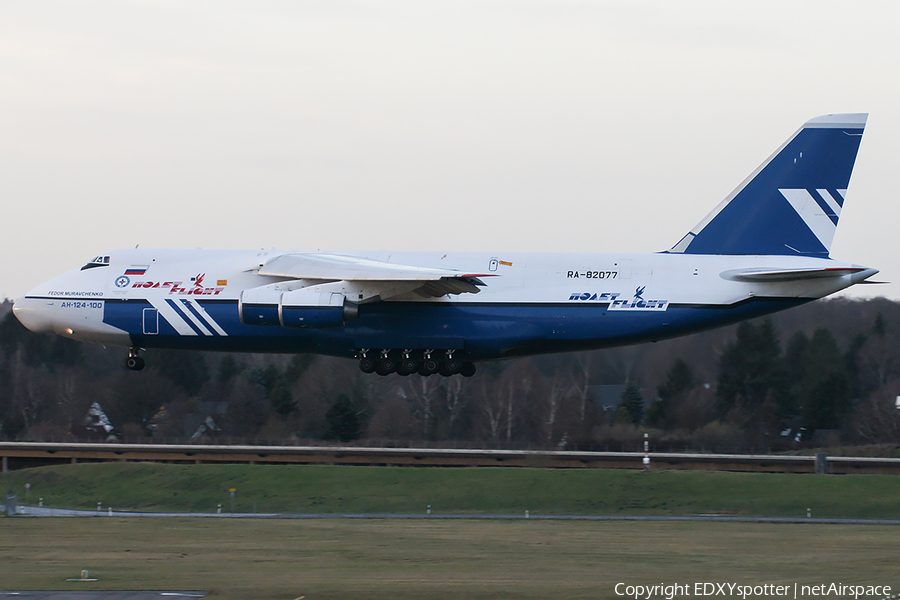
(585, 126)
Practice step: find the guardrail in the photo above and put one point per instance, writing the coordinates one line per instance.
(19, 455)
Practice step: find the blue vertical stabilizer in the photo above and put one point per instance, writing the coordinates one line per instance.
(791, 204)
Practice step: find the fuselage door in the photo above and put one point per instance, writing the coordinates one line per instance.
(151, 321)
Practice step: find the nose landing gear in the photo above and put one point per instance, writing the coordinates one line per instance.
(134, 361)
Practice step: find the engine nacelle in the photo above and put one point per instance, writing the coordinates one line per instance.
(307, 307)
(259, 306)
(316, 309)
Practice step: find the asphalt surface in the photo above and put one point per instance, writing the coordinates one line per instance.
(134, 595)
(60, 512)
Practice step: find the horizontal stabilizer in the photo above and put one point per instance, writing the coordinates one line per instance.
(797, 274)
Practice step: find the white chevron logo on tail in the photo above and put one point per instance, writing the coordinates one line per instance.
(823, 224)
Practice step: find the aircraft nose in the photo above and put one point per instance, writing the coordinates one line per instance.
(33, 314)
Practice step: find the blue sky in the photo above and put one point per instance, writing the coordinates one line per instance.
(486, 125)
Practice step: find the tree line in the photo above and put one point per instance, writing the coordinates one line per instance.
(825, 374)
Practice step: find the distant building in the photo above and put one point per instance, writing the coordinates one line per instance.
(96, 423)
(606, 397)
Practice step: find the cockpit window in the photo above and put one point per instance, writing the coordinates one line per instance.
(97, 261)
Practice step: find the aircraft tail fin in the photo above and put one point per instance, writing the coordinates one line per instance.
(791, 204)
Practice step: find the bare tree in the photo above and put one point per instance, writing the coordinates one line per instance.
(877, 419)
(421, 394)
(454, 401)
(580, 380)
(879, 360)
(553, 399)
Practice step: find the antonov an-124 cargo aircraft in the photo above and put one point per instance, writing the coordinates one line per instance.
(763, 249)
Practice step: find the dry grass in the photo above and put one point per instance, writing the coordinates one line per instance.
(437, 559)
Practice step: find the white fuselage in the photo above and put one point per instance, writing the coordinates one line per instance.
(529, 302)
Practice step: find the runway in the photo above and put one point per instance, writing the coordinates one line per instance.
(33, 511)
(97, 595)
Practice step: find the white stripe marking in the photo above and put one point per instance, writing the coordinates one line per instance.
(831, 202)
(206, 318)
(173, 318)
(812, 214)
(193, 318)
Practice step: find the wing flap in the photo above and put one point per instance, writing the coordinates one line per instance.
(335, 267)
(375, 274)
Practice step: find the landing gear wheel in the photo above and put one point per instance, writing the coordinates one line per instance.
(386, 366)
(407, 366)
(135, 363)
(430, 367)
(467, 369)
(367, 365)
(450, 367)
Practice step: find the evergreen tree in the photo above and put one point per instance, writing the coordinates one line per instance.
(276, 388)
(679, 380)
(38, 349)
(343, 420)
(825, 385)
(11, 332)
(879, 328)
(796, 364)
(185, 368)
(229, 368)
(281, 398)
(752, 372)
(633, 402)
(300, 363)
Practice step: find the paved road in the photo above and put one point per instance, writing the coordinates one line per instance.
(60, 512)
(100, 595)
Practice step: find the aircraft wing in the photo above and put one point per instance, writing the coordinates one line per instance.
(426, 281)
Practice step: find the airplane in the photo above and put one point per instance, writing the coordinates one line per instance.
(763, 249)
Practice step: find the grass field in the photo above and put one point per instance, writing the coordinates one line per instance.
(323, 489)
(432, 559)
(403, 560)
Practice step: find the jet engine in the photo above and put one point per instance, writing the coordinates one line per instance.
(306, 307)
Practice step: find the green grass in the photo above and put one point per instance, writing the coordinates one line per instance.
(341, 489)
(375, 559)
(336, 559)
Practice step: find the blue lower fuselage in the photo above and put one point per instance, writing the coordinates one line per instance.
(478, 331)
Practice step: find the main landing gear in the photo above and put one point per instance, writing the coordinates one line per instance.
(134, 361)
(407, 362)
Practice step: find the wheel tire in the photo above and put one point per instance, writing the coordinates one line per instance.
(367, 365)
(431, 366)
(450, 368)
(135, 363)
(467, 369)
(402, 370)
(386, 367)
